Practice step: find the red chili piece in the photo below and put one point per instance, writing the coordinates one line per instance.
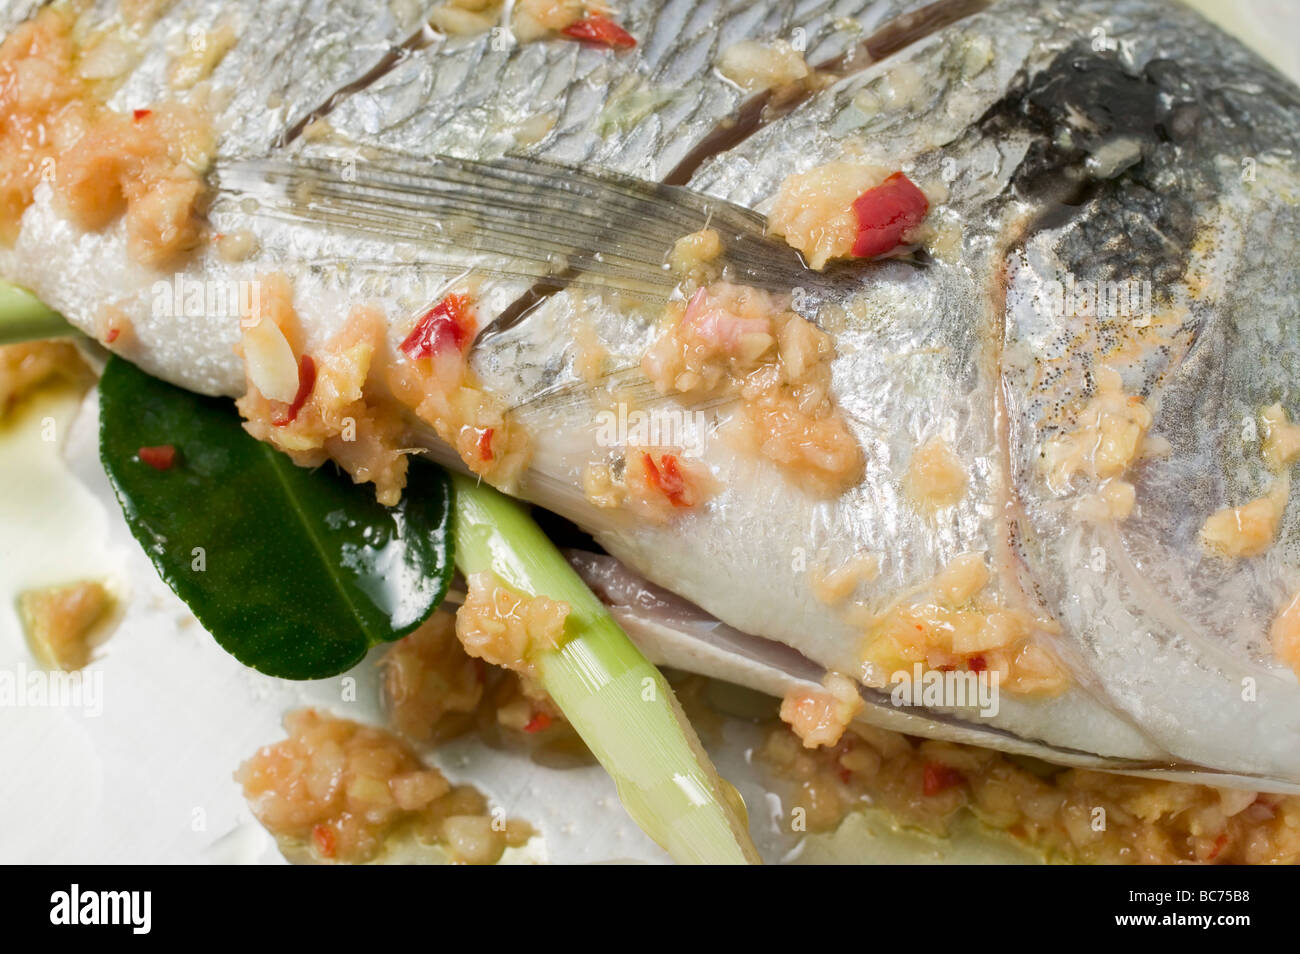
(538, 723)
(1219, 844)
(447, 324)
(885, 213)
(325, 839)
(161, 457)
(667, 479)
(939, 778)
(306, 381)
(602, 31)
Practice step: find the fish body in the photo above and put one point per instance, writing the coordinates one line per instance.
(1064, 147)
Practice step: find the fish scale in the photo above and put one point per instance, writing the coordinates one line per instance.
(456, 98)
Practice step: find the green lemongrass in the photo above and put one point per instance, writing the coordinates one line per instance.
(23, 317)
(617, 701)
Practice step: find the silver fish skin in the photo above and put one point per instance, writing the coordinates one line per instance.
(1056, 158)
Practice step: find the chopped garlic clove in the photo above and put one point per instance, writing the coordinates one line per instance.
(272, 367)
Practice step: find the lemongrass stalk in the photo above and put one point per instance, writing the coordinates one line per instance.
(23, 317)
(617, 701)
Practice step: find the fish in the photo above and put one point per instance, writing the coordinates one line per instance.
(1129, 146)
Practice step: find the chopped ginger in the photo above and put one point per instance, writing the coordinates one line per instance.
(731, 340)
(60, 621)
(819, 717)
(1107, 438)
(935, 477)
(953, 622)
(501, 627)
(813, 210)
(753, 65)
(1285, 635)
(835, 586)
(1250, 529)
(341, 790)
(431, 686)
(26, 367)
(1281, 438)
(321, 406)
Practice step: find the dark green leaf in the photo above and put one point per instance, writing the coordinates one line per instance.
(303, 570)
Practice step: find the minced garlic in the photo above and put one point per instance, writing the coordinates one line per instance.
(114, 328)
(813, 210)
(455, 19)
(1281, 438)
(502, 627)
(730, 340)
(200, 56)
(835, 586)
(60, 621)
(590, 354)
(431, 685)
(1106, 439)
(269, 360)
(530, 20)
(952, 622)
(237, 246)
(26, 367)
(601, 487)
(534, 19)
(1250, 529)
(693, 254)
(144, 167)
(1285, 634)
(341, 790)
(338, 416)
(926, 783)
(820, 716)
(655, 484)
(935, 476)
(964, 576)
(1114, 500)
(438, 385)
(102, 164)
(754, 65)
